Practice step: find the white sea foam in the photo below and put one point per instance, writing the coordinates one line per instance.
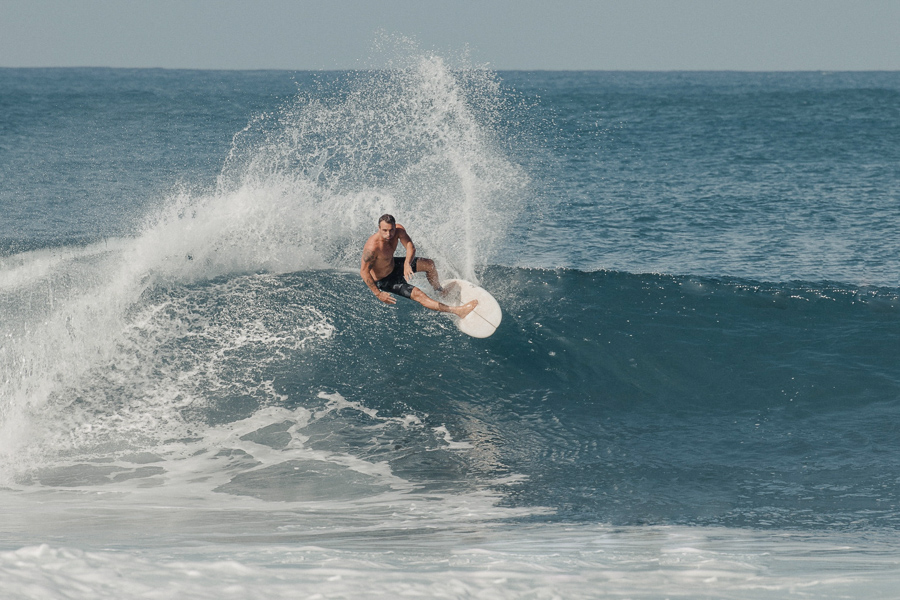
(527, 562)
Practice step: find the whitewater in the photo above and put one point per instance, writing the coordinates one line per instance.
(694, 393)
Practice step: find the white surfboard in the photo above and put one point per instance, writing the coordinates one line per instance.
(484, 320)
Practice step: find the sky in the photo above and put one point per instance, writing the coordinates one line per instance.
(655, 35)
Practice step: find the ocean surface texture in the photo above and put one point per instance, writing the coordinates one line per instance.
(694, 392)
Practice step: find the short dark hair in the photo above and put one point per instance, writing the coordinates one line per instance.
(387, 219)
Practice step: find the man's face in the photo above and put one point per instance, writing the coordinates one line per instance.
(387, 230)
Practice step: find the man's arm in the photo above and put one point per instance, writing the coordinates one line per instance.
(410, 251)
(365, 271)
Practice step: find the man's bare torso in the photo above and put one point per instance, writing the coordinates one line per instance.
(379, 253)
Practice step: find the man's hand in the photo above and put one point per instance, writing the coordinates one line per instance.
(386, 298)
(407, 271)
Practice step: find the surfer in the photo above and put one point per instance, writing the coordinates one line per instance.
(386, 274)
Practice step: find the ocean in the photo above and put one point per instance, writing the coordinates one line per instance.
(694, 392)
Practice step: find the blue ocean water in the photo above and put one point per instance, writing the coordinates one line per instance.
(695, 390)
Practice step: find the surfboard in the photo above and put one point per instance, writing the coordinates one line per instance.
(484, 320)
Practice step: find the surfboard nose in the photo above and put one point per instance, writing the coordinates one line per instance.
(484, 319)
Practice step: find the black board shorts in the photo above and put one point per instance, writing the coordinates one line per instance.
(396, 283)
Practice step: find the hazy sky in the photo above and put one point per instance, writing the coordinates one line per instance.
(500, 34)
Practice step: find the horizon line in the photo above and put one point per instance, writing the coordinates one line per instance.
(474, 68)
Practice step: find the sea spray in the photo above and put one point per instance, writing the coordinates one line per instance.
(98, 344)
(406, 141)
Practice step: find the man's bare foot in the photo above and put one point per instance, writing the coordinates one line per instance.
(465, 309)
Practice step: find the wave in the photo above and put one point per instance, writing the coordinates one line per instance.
(686, 392)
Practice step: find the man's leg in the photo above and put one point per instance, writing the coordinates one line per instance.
(423, 299)
(426, 265)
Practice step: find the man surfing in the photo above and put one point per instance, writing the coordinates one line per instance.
(386, 274)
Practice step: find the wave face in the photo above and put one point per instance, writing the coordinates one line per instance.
(621, 398)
